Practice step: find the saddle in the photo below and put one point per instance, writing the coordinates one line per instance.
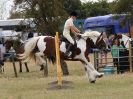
(72, 48)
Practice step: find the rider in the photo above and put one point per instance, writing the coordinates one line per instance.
(68, 28)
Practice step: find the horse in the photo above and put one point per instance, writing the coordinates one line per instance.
(124, 39)
(18, 46)
(46, 45)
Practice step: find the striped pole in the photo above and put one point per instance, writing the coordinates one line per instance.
(59, 71)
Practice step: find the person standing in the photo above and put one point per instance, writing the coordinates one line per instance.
(30, 34)
(69, 27)
(2, 51)
(115, 51)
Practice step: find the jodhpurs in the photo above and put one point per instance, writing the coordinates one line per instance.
(68, 37)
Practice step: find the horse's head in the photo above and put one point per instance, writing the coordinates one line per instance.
(99, 39)
(8, 44)
(102, 41)
(12, 43)
(123, 39)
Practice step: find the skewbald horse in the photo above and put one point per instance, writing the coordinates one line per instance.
(46, 45)
(18, 46)
(124, 39)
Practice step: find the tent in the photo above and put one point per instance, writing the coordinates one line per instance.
(7, 34)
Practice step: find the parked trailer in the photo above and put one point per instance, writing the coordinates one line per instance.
(111, 24)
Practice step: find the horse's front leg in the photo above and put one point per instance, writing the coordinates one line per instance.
(26, 66)
(91, 72)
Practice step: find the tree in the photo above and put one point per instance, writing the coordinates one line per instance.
(124, 7)
(96, 8)
(72, 5)
(14, 15)
(47, 14)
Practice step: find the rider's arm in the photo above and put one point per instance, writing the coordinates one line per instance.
(74, 29)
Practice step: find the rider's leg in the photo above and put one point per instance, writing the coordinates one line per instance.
(69, 38)
(68, 49)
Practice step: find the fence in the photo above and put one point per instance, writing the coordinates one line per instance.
(122, 63)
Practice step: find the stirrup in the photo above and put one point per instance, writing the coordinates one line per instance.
(68, 54)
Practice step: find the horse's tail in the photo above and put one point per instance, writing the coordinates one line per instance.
(29, 52)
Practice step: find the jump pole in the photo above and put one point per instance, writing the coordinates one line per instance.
(59, 70)
(59, 84)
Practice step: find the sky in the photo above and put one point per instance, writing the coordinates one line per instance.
(6, 5)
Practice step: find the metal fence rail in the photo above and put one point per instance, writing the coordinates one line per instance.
(124, 62)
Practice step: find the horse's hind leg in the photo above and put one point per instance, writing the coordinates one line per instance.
(26, 66)
(64, 68)
(20, 69)
(44, 67)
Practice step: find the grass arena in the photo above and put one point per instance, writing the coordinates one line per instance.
(33, 85)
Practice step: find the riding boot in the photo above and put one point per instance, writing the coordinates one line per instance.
(68, 50)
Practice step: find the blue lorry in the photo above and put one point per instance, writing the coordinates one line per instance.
(112, 24)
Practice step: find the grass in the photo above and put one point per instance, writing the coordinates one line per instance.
(33, 85)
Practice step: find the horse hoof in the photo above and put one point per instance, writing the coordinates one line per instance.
(93, 82)
(41, 69)
(99, 76)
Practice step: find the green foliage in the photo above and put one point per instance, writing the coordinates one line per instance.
(96, 8)
(17, 15)
(48, 14)
(72, 5)
(123, 6)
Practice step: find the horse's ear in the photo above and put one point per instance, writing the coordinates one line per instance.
(120, 36)
(104, 34)
(101, 33)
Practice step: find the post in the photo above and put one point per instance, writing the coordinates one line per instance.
(13, 62)
(96, 59)
(130, 57)
(59, 71)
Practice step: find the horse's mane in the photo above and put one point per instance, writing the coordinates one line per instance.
(125, 36)
(91, 34)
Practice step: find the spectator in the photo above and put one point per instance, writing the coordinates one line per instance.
(30, 34)
(2, 51)
(115, 51)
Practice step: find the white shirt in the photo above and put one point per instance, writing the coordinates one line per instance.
(68, 24)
